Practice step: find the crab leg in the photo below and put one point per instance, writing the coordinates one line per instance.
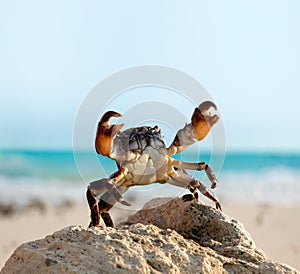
(198, 166)
(202, 122)
(95, 216)
(102, 208)
(202, 188)
(106, 202)
(101, 186)
(182, 179)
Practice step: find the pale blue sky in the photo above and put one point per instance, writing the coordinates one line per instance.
(246, 53)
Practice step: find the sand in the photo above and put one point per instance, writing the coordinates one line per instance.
(275, 229)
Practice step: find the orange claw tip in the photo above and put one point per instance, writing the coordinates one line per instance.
(205, 106)
(107, 115)
(112, 113)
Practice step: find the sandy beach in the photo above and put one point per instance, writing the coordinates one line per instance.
(274, 228)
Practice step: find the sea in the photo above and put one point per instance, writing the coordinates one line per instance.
(55, 176)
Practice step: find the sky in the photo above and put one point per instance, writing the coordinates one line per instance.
(245, 53)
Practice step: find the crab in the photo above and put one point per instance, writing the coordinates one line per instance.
(142, 158)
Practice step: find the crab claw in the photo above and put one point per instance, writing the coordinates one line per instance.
(106, 133)
(202, 120)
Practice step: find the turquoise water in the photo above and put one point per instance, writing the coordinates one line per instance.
(54, 175)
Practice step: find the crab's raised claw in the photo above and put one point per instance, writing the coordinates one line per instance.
(106, 133)
(202, 120)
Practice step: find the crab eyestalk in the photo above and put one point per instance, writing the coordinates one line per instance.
(202, 120)
(106, 133)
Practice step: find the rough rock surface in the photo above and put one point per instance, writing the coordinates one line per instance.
(206, 225)
(192, 238)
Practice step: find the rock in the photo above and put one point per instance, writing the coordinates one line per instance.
(185, 237)
(207, 226)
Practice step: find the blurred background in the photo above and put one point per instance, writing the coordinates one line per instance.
(245, 53)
